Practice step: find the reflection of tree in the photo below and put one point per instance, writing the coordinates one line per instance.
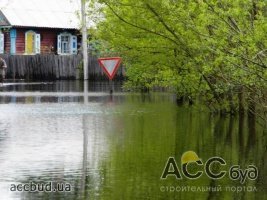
(150, 139)
(251, 131)
(241, 122)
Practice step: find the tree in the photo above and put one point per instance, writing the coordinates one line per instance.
(213, 49)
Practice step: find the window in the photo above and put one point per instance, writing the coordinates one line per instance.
(32, 42)
(1, 42)
(67, 44)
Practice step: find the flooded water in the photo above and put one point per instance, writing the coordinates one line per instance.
(79, 138)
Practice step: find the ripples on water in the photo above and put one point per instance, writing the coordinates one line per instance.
(113, 147)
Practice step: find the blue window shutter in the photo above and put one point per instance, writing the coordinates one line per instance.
(59, 44)
(2, 43)
(37, 43)
(74, 44)
(13, 36)
(13, 33)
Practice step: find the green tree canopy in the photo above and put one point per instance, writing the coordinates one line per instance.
(216, 49)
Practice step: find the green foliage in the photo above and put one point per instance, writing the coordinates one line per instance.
(211, 48)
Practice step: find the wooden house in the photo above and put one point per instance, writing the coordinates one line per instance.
(29, 27)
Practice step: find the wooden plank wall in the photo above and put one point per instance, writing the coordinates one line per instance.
(7, 42)
(53, 67)
(20, 41)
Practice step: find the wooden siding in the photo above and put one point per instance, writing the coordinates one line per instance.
(48, 40)
(7, 42)
(20, 41)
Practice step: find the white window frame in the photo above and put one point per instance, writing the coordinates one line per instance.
(61, 44)
(72, 44)
(2, 42)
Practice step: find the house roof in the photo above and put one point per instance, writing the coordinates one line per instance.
(42, 13)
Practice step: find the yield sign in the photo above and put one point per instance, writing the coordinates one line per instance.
(110, 65)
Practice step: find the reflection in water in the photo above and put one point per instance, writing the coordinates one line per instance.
(61, 86)
(57, 92)
(116, 146)
(84, 167)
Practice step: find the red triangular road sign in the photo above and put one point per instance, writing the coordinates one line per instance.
(110, 65)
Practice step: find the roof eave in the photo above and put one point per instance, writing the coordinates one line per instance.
(43, 27)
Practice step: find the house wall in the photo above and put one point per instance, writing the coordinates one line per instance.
(7, 42)
(48, 39)
(20, 41)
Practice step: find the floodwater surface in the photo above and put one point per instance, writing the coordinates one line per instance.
(76, 141)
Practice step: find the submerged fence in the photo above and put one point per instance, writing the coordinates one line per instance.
(53, 67)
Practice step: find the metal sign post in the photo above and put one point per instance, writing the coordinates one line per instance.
(110, 66)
